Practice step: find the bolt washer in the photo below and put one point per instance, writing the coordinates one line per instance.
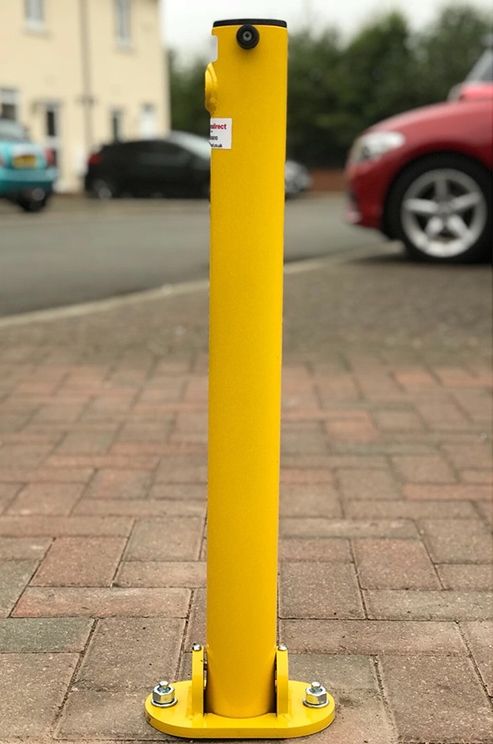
(316, 696)
(163, 695)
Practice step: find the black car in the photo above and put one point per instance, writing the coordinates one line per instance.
(178, 165)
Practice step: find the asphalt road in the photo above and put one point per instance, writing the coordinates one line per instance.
(80, 250)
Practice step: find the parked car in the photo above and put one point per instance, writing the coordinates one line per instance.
(27, 173)
(175, 166)
(178, 165)
(425, 177)
(297, 179)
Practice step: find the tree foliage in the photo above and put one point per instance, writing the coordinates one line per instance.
(339, 87)
(188, 112)
(447, 50)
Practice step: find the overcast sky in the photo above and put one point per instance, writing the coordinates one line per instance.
(187, 23)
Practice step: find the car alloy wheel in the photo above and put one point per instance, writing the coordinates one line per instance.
(443, 213)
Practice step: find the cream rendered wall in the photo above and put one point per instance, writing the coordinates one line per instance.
(46, 66)
(126, 76)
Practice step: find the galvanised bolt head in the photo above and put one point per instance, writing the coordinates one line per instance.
(316, 696)
(282, 647)
(197, 647)
(163, 695)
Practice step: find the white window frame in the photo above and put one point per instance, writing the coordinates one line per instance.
(10, 97)
(34, 11)
(123, 22)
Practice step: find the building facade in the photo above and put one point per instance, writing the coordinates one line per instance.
(79, 73)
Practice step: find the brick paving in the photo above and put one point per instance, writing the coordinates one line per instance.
(386, 547)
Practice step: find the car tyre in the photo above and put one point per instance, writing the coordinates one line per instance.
(440, 208)
(103, 189)
(33, 204)
(292, 191)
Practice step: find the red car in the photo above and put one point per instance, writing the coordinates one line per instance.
(425, 178)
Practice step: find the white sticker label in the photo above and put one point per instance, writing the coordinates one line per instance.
(221, 134)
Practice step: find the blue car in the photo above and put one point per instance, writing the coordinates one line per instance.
(27, 176)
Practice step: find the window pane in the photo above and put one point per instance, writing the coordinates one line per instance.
(51, 123)
(482, 72)
(34, 10)
(122, 15)
(126, 19)
(116, 122)
(9, 104)
(192, 142)
(118, 18)
(7, 111)
(147, 123)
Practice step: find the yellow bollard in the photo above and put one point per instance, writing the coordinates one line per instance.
(240, 686)
(246, 92)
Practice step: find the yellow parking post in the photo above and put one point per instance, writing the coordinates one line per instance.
(240, 686)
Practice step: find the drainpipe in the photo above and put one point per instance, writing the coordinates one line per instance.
(86, 97)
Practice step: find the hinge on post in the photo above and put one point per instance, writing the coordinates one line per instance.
(199, 679)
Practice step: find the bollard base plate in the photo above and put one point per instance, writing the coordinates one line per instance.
(298, 721)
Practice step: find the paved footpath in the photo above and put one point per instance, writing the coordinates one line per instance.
(385, 588)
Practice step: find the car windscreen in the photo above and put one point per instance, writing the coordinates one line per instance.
(192, 142)
(12, 131)
(482, 72)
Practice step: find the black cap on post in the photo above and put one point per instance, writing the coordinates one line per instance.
(251, 21)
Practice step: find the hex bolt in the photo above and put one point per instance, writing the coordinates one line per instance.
(163, 695)
(282, 647)
(316, 696)
(197, 647)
